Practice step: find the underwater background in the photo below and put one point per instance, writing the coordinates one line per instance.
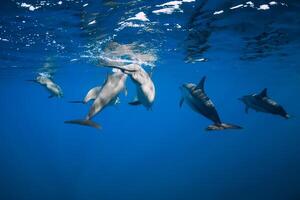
(162, 153)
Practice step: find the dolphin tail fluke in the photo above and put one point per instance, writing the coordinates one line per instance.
(222, 126)
(84, 122)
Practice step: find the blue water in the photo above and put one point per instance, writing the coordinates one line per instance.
(163, 153)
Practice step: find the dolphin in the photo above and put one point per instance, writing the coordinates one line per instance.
(92, 95)
(262, 103)
(46, 80)
(195, 96)
(144, 85)
(107, 95)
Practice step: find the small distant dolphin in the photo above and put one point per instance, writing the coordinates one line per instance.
(262, 103)
(142, 80)
(106, 95)
(197, 99)
(52, 87)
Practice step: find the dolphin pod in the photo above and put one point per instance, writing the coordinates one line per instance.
(193, 95)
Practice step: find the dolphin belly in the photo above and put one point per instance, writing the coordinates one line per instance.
(54, 89)
(202, 107)
(146, 94)
(259, 108)
(258, 105)
(107, 96)
(97, 106)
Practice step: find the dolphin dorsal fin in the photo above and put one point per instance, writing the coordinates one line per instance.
(201, 83)
(263, 93)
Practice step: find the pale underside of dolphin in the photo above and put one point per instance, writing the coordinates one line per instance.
(196, 98)
(143, 82)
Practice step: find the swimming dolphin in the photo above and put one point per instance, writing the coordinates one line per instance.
(107, 95)
(262, 103)
(46, 80)
(196, 98)
(143, 82)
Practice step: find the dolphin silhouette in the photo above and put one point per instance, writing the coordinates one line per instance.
(196, 98)
(46, 81)
(262, 103)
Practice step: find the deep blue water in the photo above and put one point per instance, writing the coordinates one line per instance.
(163, 153)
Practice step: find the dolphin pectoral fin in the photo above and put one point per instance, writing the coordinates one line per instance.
(84, 123)
(181, 102)
(77, 102)
(32, 80)
(135, 103)
(116, 101)
(92, 94)
(222, 126)
(51, 96)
